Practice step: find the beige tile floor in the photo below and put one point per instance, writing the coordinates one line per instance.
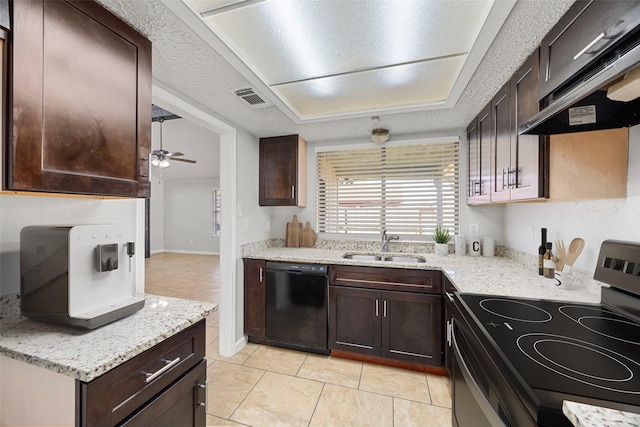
(269, 386)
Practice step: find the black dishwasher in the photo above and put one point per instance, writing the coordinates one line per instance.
(296, 305)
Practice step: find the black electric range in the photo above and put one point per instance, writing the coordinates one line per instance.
(529, 355)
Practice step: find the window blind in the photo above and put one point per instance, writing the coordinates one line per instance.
(405, 189)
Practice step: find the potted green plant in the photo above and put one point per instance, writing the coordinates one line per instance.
(441, 236)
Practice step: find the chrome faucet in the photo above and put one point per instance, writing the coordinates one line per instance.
(386, 239)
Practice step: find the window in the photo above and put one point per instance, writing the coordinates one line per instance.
(216, 212)
(404, 188)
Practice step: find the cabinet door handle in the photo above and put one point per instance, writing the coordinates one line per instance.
(589, 46)
(377, 308)
(504, 173)
(293, 191)
(384, 308)
(261, 274)
(206, 401)
(449, 295)
(169, 364)
(449, 333)
(478, 191)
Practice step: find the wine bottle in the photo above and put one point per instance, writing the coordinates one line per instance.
(542, 249)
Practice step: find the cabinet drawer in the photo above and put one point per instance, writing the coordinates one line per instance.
(391, 279)
(113, 396)
(181, 405)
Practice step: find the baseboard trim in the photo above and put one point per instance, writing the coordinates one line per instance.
(176, 251)
(242, 341)
(436, 370)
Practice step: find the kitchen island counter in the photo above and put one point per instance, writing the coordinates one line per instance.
(497, 275)
(86, 354)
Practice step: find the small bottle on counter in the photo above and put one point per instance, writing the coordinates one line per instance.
(541, 252)
(548, 266)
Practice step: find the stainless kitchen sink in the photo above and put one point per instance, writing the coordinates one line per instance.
(396, 258)
(362, 257)
(384, 257)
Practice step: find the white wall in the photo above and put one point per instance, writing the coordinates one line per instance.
(188, 216)
(156, 215)
(594, 220)
(17, 212)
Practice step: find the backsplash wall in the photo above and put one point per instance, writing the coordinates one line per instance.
(19, 211)
(593, 220)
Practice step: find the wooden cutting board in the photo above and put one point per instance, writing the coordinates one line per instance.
(309, 236)
(294, 233)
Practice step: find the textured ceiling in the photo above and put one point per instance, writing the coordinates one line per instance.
(331, 59)
(185, 63)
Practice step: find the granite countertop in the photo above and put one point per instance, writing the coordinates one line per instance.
(497, 275)
(85, 354)
(583, 415)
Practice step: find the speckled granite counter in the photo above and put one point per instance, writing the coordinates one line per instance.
(498, 275)
(86, 355)
(583, 415)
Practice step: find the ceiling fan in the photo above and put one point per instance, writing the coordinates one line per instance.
(161, 157)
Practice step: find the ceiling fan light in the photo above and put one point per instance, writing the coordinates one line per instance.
(164, 163)
(155, 162)
(380, 135)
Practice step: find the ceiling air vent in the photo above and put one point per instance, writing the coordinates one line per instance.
(251, 97)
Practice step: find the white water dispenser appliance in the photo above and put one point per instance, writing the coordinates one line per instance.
(80, 275)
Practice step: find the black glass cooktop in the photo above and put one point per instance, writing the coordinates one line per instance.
(579, 349)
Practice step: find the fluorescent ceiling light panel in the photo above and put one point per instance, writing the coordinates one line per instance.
(328, 52)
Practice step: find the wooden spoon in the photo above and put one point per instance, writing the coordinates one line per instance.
(575, 248)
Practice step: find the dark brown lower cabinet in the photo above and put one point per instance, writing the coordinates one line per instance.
(183, 404)
(354, 320)
(412, 327)
(163, 386)
(403, 326)
(255, 298)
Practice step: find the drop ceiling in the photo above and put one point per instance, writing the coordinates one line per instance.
(328, 59)
(193, 63)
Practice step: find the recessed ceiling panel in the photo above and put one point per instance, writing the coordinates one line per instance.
(204, 6)
(296, 47)
(421, 83)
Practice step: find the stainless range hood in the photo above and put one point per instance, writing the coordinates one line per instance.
(584, 104)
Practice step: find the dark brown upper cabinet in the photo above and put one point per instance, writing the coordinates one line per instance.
(505, 166)
(80, 101)
(585, 32)
(479, 137)
(529, 178)
(283, 179)
(521, 169)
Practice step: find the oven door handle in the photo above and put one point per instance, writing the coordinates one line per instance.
(484, 404)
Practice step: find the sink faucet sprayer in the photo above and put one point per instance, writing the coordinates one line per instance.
(386, 239)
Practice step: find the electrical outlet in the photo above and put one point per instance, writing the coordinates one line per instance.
(246, 226)
(473, 229)
(268, 226)
(529, 234)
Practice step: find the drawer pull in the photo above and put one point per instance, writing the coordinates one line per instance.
(169, 364)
